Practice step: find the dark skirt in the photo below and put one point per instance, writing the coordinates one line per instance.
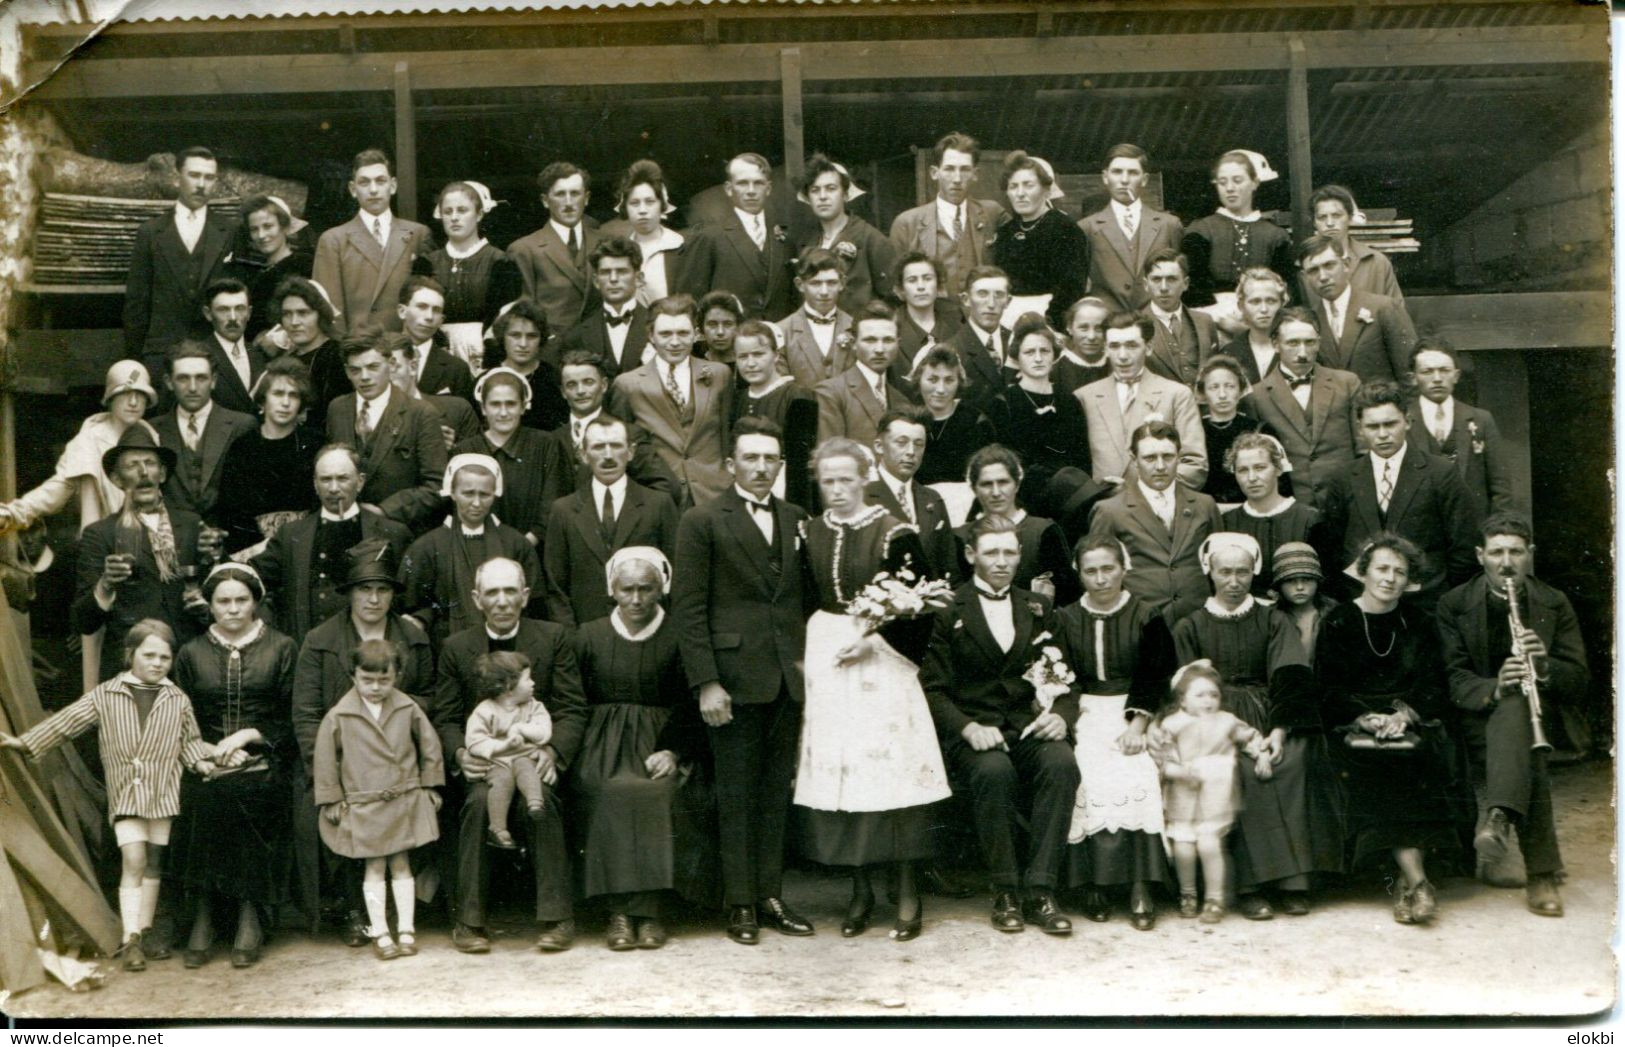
(1116, 858)
(1399, 799)
(851, 838)
(232, 836)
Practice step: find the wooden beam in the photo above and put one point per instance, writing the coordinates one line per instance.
(406, 145)
(794, 121)
(1300, 164)
(847, 60)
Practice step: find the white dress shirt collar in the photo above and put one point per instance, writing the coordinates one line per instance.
(1437, 416)
(747, 496)
(617, 493)
(509, 635)
(385, 220)
(1167, 319)
(349, 514)
(946, 213)
(182, 416)
(1128, 214)
(870, 377)
(752, 223)
(578, 425)
(680, 372)
(563, 232)
(1397, 460)
(378, 404)
(1161, 502)
(422, 360)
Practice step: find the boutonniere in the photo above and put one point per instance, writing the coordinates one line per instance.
(1037, 610)
(780, 233)
(1475, 438)
(845, 342)
(959, 623)
(227, 260)
(1364, 316)
(847, 250)
(702, 377)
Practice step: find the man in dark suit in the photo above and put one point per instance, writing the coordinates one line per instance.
(501, 595)
(996, 747)
(364, 263)
(1308, 406)
(584, 382)
(1461, 433)
(552, 260)
(132, 563)
(1123, 234)
(818, 336)
(852, 403)
(1260, 294)
(422, 312)
(984, 345)
(952, 230)
(176, 255)
(1489, 682)
(454, 415)
(403, 452)
(742, 254)
(1366, 333)
(740, 610)
(198, 431)
(237, 365)
(1181, 341)
(1401, 488)
(608, 513)
(617, 333)
(303, 565)
(900, 447)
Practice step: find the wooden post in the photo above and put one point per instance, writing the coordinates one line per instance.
(406, 145)
(794, 146)
(1299, 163)
(8, 445)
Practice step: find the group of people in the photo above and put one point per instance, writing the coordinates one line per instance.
(707, 548)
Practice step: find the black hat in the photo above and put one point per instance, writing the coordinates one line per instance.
(371, 560)
(138, 437)
(1070, 495)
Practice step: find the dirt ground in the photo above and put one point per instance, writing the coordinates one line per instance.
(1485, 955)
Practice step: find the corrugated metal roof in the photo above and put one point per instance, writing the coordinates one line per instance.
(211, 10)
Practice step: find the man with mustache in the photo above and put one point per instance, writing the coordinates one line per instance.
(237, 365)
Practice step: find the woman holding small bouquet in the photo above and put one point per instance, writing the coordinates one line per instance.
(870, 764)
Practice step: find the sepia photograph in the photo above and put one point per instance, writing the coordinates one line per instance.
(1045, 511)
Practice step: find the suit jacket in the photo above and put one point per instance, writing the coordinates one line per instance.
(143, 595)
(646, 468)
(455, 414)
(559, 283)
(1109, 431)
(365, 280)
(1166, 572)
(1476, 449)
(740, 606)
(1376, 349)
(916, 230)
(986, 377)
(808, 366)
(552, 667)
(1115, 264)
(1322, 445)
(723, 257)
(219, 432)
(444, 374)
(693, 453)
(1241, 349)
(931, 520)
(229, 390)
(1472, 667)
(1160, 356)
(405, 462)
(1430, 506)
(847, 406)
(574, 554)
(163, 295)
(592, 334)
(1371, 271)
(286, 567)
(968, 679)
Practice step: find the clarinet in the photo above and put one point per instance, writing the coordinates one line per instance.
(1531, 690)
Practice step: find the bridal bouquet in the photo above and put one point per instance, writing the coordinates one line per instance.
(891, 596)
(1049, 674)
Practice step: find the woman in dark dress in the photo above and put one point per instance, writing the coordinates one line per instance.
(994, 474)
(926, 319)
(1227, 413)
(1272, 519)
(870, 766)
(643, 727)
(1382, 681)
(306, 319)
(1237, 236)
(1123, 654)
(517, 339)
(954, 430)
(265, 478)
(1287, 832)
(1040, 247)
(274, 250)
(1042, 424)
(478, 277)
(535, 472)
(866, 252)
(770, 393)
(231, 841)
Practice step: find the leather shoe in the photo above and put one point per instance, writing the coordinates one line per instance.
(1402, 907)
(134, 958)
(908, 930)
(385, 948)
(155, 945)
(772, 912)
(192, 959)
(620, 936)
(1255, 907)
(1042, 912)
(1097, 908)
(469, 939)
(1424, 905)
(1007, 913)
(244, 958)
(742, 926)
(355, 931)
(556, 937)
(1143, 921)
(858, 922)
(1492, 838)
(1295, 903)
(934, 881)
(651, 934)
(1543, 897)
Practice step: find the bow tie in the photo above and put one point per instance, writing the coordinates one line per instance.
(822, 321)
(760, 507)
(611, 320)
(1002, 594)
(1298, 383)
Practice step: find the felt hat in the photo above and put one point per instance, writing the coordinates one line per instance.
(138, 437)
(371, 560)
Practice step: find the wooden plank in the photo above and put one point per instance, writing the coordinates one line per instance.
(847, 60)
(1529, 320)
(59, 360)
(794, 121)
(1300, 165)
(406, 144)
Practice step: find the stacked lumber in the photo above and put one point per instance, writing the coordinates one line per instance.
(1385, 231)
(88, 239)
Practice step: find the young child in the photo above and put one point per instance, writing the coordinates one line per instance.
(1195, 748)
(147, 731)
(508, 728)
(1296, 570)
(377, 762)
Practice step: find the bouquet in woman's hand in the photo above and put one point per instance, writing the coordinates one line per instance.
(1049, 674)
(902, 595)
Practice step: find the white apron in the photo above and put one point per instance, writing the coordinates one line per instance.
(1117, 792)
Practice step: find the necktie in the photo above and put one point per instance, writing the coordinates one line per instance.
(1172, 323)
(239, 360)
(879, 388)
(363, 420)
(673, 388)
(1336, 318)
(1125, 396)
(575, 241)
(576, 428)
(1295, 382)
(611, 320)
(1385, 489)
(824, 320)
(757, 232)
(1002, 594)
(1129, 225)
(606, 522)
(378, 230)
(192, 433)
(903, 502)
(1441, 432)
(959, 226)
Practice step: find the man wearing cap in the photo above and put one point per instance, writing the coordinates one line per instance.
(303, 566)
(198, 431)
(176, 255)
(610, 512)
(323, 676)
(138, 562)
(500, 593)
(437, 572)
